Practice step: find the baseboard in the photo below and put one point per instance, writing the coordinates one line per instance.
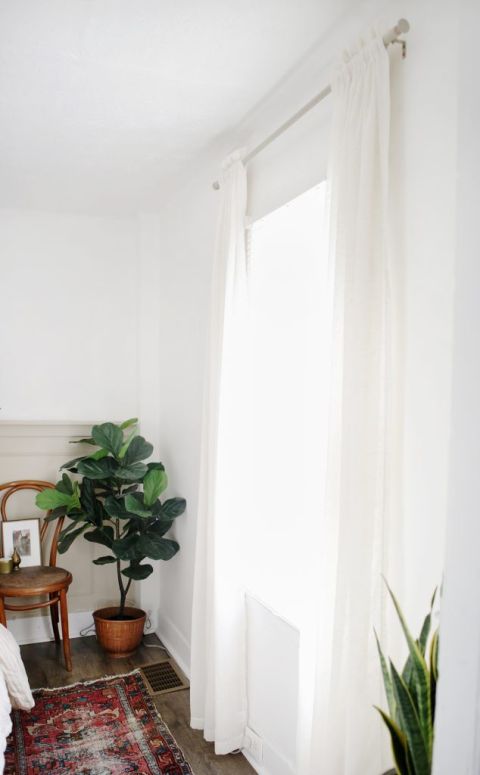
(273, 762)
(175, 642)
(38, 629)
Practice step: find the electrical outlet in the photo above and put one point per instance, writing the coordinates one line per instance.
(253, 744)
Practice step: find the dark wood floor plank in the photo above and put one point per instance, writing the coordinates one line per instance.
(44, 665)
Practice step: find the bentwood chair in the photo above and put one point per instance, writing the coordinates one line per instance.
(38, 580)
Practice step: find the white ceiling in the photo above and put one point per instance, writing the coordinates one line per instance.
(103, 101)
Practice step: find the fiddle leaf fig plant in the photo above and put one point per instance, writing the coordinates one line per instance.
(112, 498)
(411, 697)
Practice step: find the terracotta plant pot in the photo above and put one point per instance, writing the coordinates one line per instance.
(119, 637)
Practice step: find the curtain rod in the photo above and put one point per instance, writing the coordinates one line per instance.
(390, 37)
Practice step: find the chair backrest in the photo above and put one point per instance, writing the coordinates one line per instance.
(10, 488)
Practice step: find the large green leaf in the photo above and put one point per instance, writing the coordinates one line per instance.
(97, 469)
(65, 485)
(126, 444)
(137, 572)
(53, 498)
(88, 440)
(105, 560)
(399, 744)
(72, 464)
(99, 454)
(127, 548)
(115, 507)
(154, 483)
(154, 466)
(410, 724)
(87, 496)
(138, 449)
(157, 548)
(419, 685)
(135, 505)
(108, 436)
(131, 473)
(127, 423)
(160, 526)
(104, 536)
(68, 540)
(173, 507)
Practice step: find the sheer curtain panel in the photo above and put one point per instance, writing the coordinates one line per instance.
(339, 731)
(218, 665)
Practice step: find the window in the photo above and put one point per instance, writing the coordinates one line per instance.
(288, 269)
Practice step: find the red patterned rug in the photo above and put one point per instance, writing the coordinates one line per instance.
(104, 727)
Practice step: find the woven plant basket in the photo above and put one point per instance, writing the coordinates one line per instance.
(119, 638)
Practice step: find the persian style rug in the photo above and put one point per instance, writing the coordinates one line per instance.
(104, 727)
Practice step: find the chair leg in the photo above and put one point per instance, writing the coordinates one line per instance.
(3, 618)
(54, 617)
(65, 635)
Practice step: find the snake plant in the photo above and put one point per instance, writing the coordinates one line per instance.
(411, 697)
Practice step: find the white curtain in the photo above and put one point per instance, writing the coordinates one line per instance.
(218, 663)
(339, 731)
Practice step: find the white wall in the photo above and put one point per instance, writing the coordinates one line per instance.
(423, 182)
(458, 715)
(68, 317)
(80, 341)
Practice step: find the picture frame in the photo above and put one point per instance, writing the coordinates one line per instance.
(24, 535)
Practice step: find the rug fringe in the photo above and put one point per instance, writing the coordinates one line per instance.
(84, 683)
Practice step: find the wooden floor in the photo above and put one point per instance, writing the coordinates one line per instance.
(44, 664)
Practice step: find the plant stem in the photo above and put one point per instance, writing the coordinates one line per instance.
(123, 591)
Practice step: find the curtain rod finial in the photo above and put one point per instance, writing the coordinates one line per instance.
(216, 186)
(402, 27)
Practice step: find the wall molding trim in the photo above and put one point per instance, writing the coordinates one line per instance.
(175, 642)
(38, 629)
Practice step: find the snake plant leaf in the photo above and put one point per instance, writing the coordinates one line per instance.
(105, 560)
(137, 572)
(134, 503)
(434, 672)
(65, 542)
(419, 684)
(102, 536)
(387, 680)
(410, 723)
(399, 744)
(138, 449)
(154, 483)
(434, 655)
(108, 436)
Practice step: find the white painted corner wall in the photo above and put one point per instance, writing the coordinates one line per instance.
(423, 166)
(80, 336)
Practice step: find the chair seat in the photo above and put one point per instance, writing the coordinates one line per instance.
(34, 581)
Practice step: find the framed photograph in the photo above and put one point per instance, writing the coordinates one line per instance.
(24, 536)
